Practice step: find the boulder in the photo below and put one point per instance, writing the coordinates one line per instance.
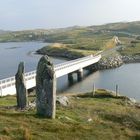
(62, 100)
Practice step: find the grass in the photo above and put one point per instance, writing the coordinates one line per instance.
(131, 49)
(7, 101)
(86, 118)
(79, 43)
(61, 52)
(77, 50)
(20, 36)
(82, 39)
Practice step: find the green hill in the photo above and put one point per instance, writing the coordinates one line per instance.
(67, 35)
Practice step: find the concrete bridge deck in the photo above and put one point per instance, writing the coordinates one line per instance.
(7, 86)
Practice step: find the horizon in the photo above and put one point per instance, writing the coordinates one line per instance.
(51, 14)
(72, 26)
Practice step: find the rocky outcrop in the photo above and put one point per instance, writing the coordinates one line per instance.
(46, 88)
(20, 87)
(59, 52)
(110, 62)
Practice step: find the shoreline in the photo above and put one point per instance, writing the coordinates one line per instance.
(127, 59)
(107, 62)
(110, 62)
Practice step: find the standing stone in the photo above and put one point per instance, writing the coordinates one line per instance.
(46, 88)
(20, 87)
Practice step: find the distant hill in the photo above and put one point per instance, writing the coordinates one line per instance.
(4, 32)
(69, 34)
(130, 27)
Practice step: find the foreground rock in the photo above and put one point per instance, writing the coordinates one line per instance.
(62, 100)
(46, 88)
(21, 88)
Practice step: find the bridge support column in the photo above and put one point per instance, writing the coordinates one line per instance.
(80, 74)
(70, 78)
(46, 88)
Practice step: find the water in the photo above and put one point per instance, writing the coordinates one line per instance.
(12, 53)
(127, 76)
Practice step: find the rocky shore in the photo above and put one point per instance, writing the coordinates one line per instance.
(110, 62)
(131, 58)
(117, 60)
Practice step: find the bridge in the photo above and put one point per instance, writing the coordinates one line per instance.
(7, 86)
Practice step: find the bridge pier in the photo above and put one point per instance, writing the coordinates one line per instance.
(92, 68)
(80, 74)
(70, 78)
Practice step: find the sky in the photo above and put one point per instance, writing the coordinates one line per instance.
(32, 14)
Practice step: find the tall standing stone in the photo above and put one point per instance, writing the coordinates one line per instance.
(21, 87)
(46, 88)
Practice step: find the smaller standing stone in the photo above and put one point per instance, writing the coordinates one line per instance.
(21, 90)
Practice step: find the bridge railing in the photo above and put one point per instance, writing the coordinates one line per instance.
(8, 82)
(4, 83)
(71, 63)
(30, 75)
